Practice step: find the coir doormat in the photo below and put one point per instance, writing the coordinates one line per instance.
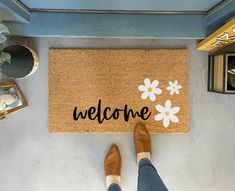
(109, 91)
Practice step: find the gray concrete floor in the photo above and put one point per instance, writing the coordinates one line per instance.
(31, 159)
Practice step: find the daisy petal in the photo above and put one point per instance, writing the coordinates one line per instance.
(175, 82)
(147, 82)
(142, 88)
(171, 83)
(159, 117)
(155, 83)
(175, 110)
(160, 108)
(172, 92)
(152, 97)
(177, 91)
(166, 122)
(157, 91)
(168, 105)
(144, 95)
(174, 118)
(179, 86)
(168, 88)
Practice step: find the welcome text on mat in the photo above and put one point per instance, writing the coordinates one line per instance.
(94, 113)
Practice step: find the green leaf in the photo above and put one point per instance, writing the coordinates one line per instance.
(2, 38)
(233, 71)
(6, 57)
(1, 90)
(232, 80)
(3, 28)
(1, 60)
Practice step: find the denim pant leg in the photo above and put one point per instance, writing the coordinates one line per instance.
(114, 187)
(148, 179)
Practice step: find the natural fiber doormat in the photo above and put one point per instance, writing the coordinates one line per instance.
(109, 91)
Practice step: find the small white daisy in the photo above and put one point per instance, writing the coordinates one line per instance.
(150, 89)
(174, 87)
(167, 114)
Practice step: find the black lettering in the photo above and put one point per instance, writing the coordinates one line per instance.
(99, 112)
(127, 113)
(144, 111)
(115, 114)
(91, 111)
(80, 114)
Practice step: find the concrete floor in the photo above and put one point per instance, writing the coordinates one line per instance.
(31, 159)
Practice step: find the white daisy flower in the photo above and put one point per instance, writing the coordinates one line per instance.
(150, 89)
(167, 114)
(174, 87)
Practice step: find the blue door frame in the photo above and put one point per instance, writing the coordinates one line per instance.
(87, 25)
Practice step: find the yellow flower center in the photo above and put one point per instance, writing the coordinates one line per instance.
(150, 89)
(167, 113)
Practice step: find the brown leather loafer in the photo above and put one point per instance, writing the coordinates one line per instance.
(113, 161)
(142, 139)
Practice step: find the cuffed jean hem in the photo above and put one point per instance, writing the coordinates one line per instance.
(114, 187)
(145, 162)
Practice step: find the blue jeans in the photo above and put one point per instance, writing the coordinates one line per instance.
(148, 179)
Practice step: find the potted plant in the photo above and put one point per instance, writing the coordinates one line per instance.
(232, 77)
(4, 56)
(24, 61)
(231, 72)
(11, 99)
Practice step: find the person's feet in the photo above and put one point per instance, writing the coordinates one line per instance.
(112, 166)
(113, 161)
(142, 142)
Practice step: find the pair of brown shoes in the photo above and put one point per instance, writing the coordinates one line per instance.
(113, 161)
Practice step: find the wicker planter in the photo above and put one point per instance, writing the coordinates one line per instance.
(24, 62)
